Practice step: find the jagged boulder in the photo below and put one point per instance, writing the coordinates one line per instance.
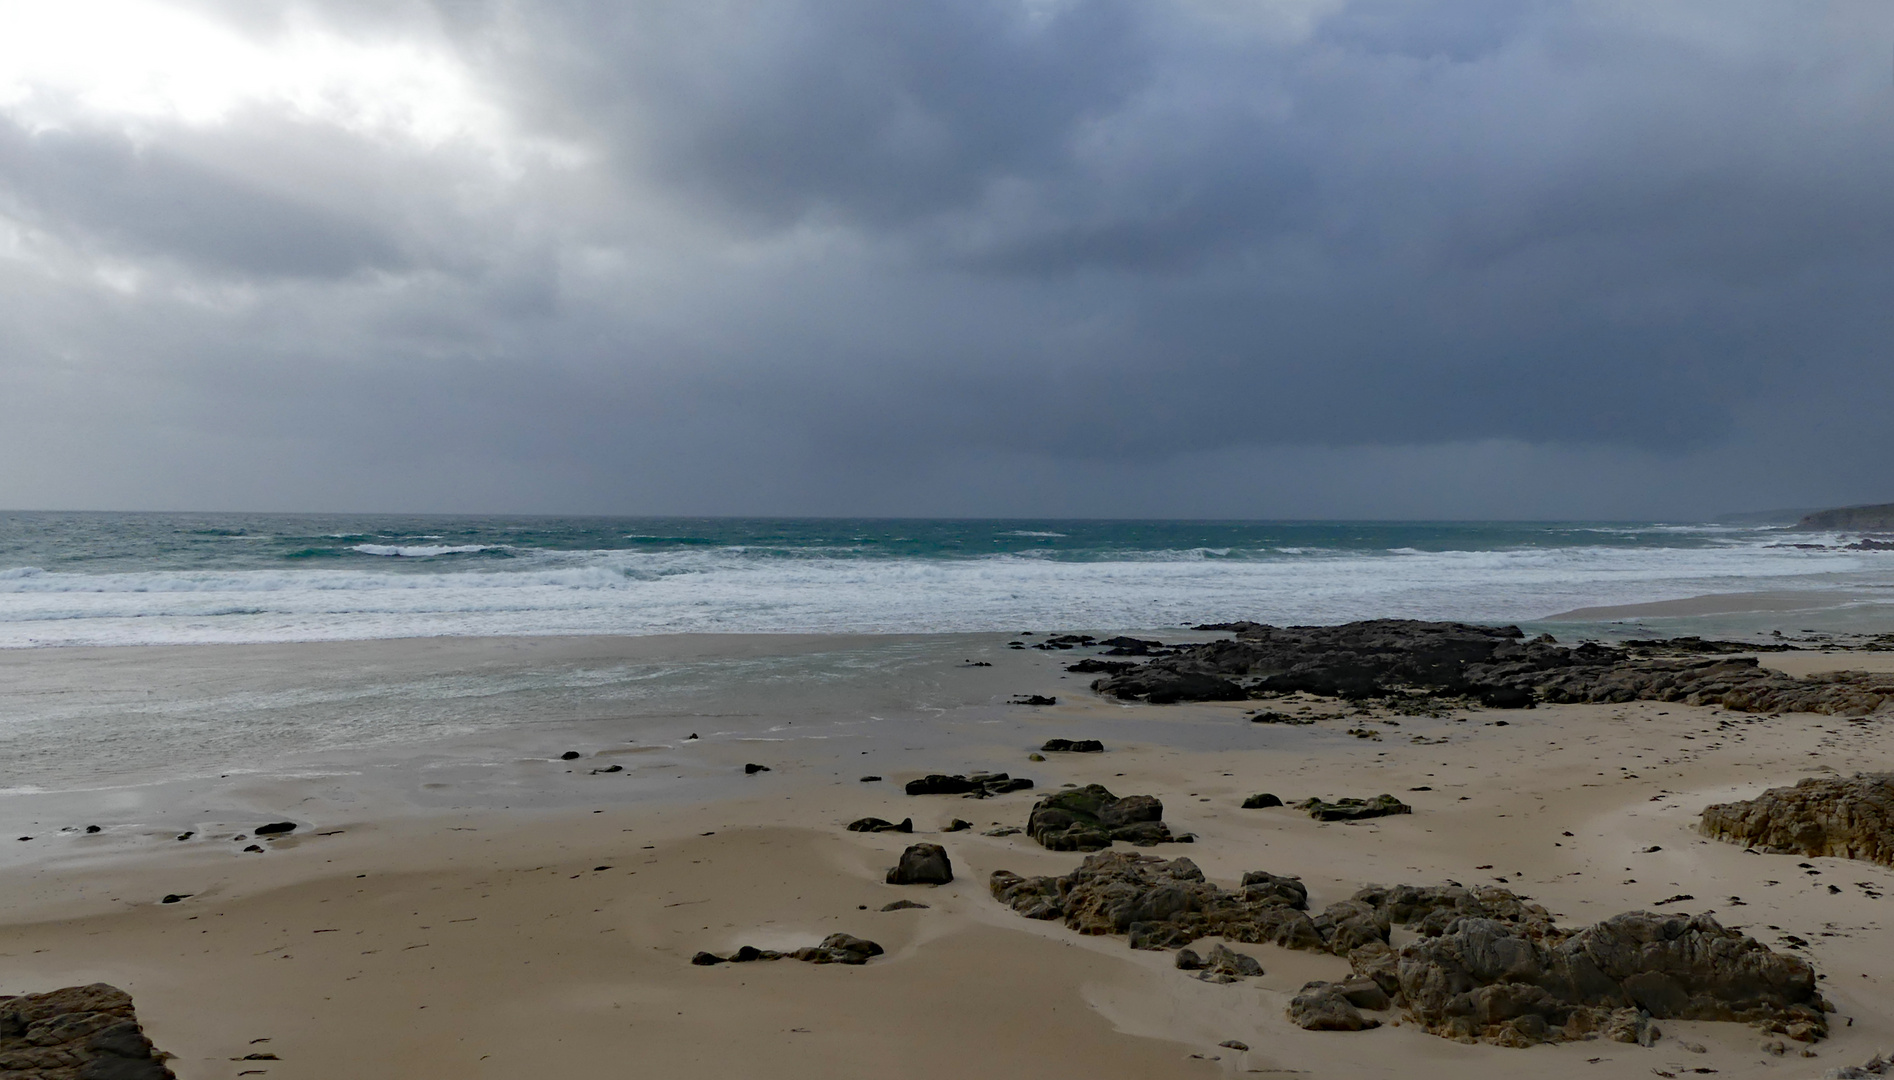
(1850, 819)
(82, 1032)
(1091, 817)
(1158, 904)
(922, 864)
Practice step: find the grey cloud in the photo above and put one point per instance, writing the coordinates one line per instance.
(956, 257)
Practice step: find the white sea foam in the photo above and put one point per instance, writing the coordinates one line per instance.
(421, 551)
(731, 589)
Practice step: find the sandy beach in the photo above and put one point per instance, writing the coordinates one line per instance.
(473, 905)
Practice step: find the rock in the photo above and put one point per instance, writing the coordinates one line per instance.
(979, 784)
(902, 905)
(1354, 809)
(570, 755)
(1227, 961)
(1074, 746)
(1003, 830)
(875, 824)
(1322, 1007)
(1091, 817)
(1481, 979)
(956, 825)
(922, 864)
(1850, 819)
(1034, 699)
(871, 779)
(82, 1032)
(1351, 924)
(1158, 904)
(1264, 887)
(834, 949)
(1035, 757)
(275, 828)
(1261, 802)
(93, 829)
(753, 768)
(1188, 960)
(1232, 1044)
(1094, 666)
(176, 898)
(1494, 666)
(1364, 993)
(254, 847)
(1876, 1066)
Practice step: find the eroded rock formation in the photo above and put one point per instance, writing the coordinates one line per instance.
(1494, 666)
(1091, 817)
(78, 1033)
(1850, 819)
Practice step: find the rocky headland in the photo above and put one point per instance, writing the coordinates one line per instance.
(78, 1033)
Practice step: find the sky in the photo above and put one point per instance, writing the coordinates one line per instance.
(1123, 258)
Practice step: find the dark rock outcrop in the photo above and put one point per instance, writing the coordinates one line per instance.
(1323, 1006)
(1850, 819)
(1161, 904)
(1090, 818)
(78, 1033)
(1074, 746)
(1354, 809)
(977, 785)
(1261, 802)
(835, 949)
(275, 828)
(875, 824)
(1494, 666)
(1222, 964)
(922, 864)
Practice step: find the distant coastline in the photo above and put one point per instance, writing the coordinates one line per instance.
(1877, 517)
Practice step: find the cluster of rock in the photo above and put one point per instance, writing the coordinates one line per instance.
(1073, 746)
(1486, 964)
(1352, 809)
(1877, 1066)
(1850, 819)
(1091, 818)
(977, 785)
(1494, 666)
(78, 1033)
(1221, 965)
(835, 949)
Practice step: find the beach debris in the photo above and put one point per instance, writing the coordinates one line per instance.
(275, 828)
(1354, 809)
(1850, 819)
(752, 768)
(1271, 716)
(1073, 746)
(80, 1031)
(1091, 817)
(1261, 802)
(875, 824)
(834, 949)
(1493, 666)
(1034, 699)
(978, 785)
(903, 905)
(922, 864)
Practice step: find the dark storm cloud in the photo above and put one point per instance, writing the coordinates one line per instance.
(856, 256)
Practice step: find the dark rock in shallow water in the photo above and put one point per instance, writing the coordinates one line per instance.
(1261, 802)
(871, 779)
(1850, 819)
(1074, 746)
(276, 828)
(753, 768)
(922, 864)
(570, 755)
(1034, 699)
(78, 1033)
(875, 824)
(1354, 809)
(1094, 666)
(1091, 817)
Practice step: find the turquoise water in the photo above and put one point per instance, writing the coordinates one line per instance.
(173, 578)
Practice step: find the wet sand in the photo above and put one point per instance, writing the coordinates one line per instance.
(467, 929)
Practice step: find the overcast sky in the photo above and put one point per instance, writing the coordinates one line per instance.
(1232, 258)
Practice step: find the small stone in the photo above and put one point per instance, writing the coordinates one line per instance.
(902, 905)
(957, 825)
(870, 779)
(253, 847)
(704, 959)
(172, 898)
(1232, 1044)
(570, 755)
(276, 828)
(753, 768)
(1261, 802)
(91, 828)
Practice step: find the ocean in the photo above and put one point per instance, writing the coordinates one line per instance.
(142, 579)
